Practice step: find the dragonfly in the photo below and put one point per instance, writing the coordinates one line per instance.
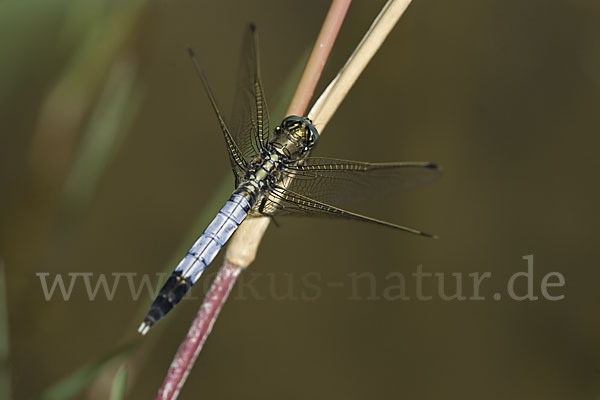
(275, 176)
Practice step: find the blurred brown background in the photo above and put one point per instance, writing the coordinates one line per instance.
(110, 153)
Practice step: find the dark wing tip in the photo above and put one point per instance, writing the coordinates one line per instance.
(252, 27)
(429, 235)
(434, 166)
(190, 51)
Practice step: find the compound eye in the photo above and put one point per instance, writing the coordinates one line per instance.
(291, 121)
(314, 134)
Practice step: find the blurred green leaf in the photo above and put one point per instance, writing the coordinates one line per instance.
(20, 41)
(94, 27)
(103, 31)
(119, 385)
(75, 383)
(109, 123)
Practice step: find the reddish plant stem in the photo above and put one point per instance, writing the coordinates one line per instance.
(199, 331)
(226, 277)
(318, 57)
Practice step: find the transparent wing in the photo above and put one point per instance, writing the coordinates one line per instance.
(250, 117)
(344, 182)
(239, 165)
(325, 187)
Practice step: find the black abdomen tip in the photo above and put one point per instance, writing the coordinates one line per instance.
(171, 293)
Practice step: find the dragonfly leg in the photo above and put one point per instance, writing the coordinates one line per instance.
(261, 209)
(275, 221)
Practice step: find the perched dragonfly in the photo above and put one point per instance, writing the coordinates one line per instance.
(274, 176)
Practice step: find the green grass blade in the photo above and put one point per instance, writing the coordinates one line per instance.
(102, 37)
(109, 123)
(119, 385)
(74, 384)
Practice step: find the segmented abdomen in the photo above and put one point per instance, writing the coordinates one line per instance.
(199, 257)
(214, 237)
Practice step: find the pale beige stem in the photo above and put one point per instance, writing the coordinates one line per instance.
(242, 247)
(334, 94)
(244, 244)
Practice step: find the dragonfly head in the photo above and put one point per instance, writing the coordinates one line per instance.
(296, 135)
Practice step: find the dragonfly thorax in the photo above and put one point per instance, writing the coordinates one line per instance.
(295, 137)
